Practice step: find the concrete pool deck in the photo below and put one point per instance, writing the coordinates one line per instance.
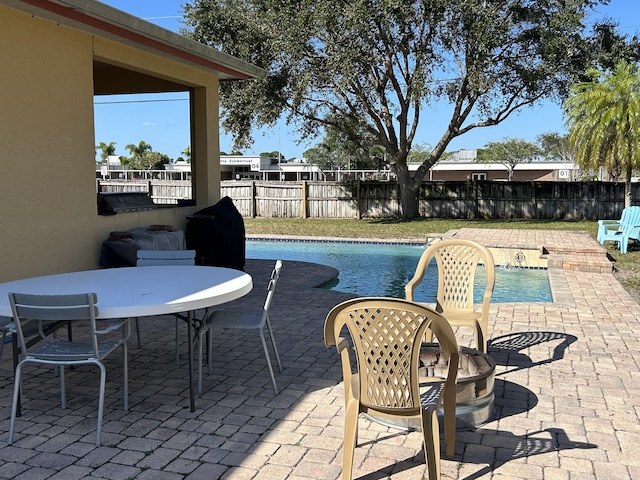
(567, 395)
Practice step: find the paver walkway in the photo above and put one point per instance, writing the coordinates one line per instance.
(567, 399)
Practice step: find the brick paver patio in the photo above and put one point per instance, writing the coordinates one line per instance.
(567, 396)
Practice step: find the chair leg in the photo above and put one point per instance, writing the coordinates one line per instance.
(138, 333)
(103, 375)
(199, 341)
(125, 377)
(273, 342)
(4, 337)
(63, 394)
(350, 438)
(449, 419)
(177, 349)
(210, 351)
(431, 440)
(481, 339)
(16, 399)
(428, 336)
(266, 355)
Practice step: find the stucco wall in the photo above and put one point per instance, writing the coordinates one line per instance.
(47, 145)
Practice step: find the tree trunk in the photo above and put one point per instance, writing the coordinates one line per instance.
(627, 188)
(409, 190)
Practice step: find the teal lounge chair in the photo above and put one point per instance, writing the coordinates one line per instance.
(621, 231)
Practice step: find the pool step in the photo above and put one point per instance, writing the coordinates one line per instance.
(581, 262)
(577, 251)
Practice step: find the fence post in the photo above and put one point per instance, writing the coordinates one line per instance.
(476, 184)
(303, 194)
(358, 210)
(252, 199)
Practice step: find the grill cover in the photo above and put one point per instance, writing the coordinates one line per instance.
(217, 235)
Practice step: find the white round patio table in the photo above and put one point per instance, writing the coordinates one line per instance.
(142, 291)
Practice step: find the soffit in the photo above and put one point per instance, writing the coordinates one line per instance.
(102, 20)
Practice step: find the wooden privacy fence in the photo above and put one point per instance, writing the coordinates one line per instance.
(480, 199)
(163, 192)
(358, 199)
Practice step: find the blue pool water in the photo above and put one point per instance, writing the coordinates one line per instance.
(377, 269)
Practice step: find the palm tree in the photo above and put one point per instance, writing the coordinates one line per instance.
(139, 150)
(187, 153)
(603, 118)
(106, 150)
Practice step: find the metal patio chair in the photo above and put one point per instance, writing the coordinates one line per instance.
(43, 309)
(388, 380)
(150, 258)
(244, 320)
(457, 262)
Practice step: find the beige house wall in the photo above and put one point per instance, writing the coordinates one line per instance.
(49, 216)
(493, 175)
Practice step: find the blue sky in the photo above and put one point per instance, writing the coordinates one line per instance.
(165, 124)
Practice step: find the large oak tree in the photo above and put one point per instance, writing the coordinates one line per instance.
(376, 66)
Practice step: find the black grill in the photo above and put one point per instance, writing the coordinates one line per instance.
(110, 203)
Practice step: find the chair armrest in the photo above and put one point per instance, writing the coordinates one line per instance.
(112, 327)
(610, 226)
(9, 327)
(342, 344)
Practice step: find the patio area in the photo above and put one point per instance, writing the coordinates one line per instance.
(567, 393)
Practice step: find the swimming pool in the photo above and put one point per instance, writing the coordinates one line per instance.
(383, 269)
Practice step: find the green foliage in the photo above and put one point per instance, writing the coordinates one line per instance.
(397, 228)
(608, 47)
(420, 153)
(144, 158)
(337, 150)
(509, 152)
(371, 66)
(274, 154)
(187, 154)
(106, 149)
(603, 116)
(556, 147)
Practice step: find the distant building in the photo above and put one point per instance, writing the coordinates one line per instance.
(239, 167)
(462, 165)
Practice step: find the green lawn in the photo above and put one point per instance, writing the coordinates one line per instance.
(390, 228)
(627, 266)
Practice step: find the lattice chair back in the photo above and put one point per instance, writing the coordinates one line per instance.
(387, 335)
(457, 263)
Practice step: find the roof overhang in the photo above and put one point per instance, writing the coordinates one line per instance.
(102, 20)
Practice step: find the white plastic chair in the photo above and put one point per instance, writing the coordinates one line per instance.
(245, 320)
(388, 379)
(457, 262)
(150, 258)
(42, 309)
